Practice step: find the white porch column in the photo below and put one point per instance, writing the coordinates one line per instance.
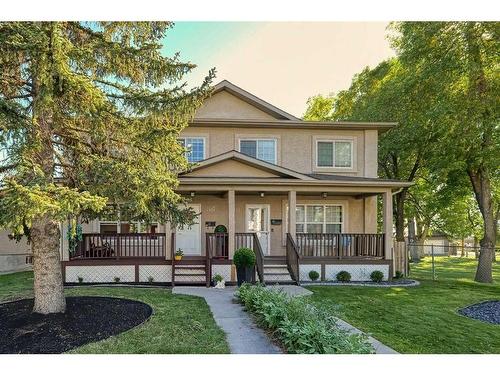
(387, 214)
(292, 203)
(167, 229)
(231, 221)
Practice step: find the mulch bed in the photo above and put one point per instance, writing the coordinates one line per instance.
(87, 319)
(488, 311)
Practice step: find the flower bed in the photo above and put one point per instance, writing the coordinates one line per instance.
(298, 325)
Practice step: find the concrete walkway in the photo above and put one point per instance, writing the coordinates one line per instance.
(377, 345)
(243, 335)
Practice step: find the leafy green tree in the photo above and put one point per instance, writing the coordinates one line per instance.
(89, 116)
(386, 93)
(461, 60)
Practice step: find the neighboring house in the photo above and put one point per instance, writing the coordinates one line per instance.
(438, 242)
(441, 244)
(301, 194)
(14, 256)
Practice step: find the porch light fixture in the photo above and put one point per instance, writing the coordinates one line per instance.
(261, 194)
(324, 195)
(192, 194)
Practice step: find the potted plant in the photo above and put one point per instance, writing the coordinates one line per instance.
(244, 260)
(219, 282)
(178, 254)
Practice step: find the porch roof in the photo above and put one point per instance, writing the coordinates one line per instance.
(276, 178)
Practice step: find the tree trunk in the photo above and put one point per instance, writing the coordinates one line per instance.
(482, 191)
(412, 241)
(400, 215)
(479, 113)
(48, 283)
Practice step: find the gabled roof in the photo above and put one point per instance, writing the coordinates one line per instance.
(251, 99)
(276, 170)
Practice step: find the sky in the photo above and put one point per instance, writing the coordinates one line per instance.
(283, 63)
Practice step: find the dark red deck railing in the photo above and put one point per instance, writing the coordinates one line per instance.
(120, 245)
(341, 245)
(217, 245)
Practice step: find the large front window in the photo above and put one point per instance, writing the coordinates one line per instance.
(195, 148)
(262, 149)
(334, 154)
(111, 227)
(316, 218)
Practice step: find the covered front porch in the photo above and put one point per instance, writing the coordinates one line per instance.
(292, 230)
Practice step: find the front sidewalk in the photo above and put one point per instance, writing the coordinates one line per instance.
(243, 335)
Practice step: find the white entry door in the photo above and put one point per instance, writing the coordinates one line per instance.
(188, 239)
(258, 221)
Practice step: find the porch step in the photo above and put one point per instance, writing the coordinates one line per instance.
(189, 274)
(190, 277)
(189, 270)
(281, 269)
(277, 273)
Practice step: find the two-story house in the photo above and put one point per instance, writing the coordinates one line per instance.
(302, 194)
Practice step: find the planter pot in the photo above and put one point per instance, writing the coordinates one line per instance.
(178, 257)
(245, 274)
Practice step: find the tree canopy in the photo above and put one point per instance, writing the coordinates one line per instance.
(442, 88)
(89, 115)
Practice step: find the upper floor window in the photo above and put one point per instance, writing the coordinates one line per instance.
(334, 154)
(262, 149)
(195, 148)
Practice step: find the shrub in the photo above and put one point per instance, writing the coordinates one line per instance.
(344, 276)
(80, 279)
(301, 327)
(377, 276)
(244, 257)
(218, 278)
(313, 275)
(117, 279)
(399, 275)
(179, 253)
(151, 279)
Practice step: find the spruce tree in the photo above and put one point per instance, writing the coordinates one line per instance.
(90, 114)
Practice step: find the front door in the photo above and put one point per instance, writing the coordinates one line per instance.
(188, 239)
(258, 221)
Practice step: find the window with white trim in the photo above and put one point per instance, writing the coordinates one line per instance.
(110, 223)
(195, 148)
(111, 227)
(319, 218)
(334, 154)
(262, 149)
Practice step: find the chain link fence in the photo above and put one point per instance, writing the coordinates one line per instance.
(447, 262)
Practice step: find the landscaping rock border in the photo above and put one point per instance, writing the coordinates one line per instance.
(487, 311)
(382, 284)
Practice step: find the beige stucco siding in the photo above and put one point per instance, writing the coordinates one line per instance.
(296, 148)
(8, 246)
(360, 215)
(215, 208)
(224, 105)
(231, 168)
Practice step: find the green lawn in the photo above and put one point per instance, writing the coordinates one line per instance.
(180, 324)
(421, 319)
